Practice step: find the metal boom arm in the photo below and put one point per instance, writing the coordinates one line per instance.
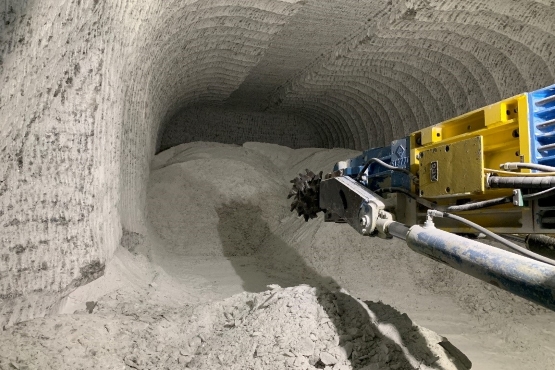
(345, 199)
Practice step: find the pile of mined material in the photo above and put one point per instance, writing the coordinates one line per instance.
(216, 206)
(310, 328)
(300, 327)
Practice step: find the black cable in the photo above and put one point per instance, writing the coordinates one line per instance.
(539, 194)
(496, 237)
(388, 166)
(540, 242)
(480, 204)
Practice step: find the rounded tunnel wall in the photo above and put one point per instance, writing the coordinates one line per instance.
(90, 89)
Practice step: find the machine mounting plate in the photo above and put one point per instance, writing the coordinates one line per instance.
(452, 169)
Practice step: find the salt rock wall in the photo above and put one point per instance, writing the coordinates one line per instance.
(60, 119)
(87, 87)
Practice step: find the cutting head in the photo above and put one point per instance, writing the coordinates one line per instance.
(306, 193)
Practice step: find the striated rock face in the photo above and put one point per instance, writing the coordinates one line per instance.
(87, 89)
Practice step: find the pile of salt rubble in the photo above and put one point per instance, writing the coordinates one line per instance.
(298, 328)
(309, 328)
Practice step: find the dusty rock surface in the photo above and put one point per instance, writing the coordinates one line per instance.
(87, 88)
(147, 313)
(242, 283)
(308, 328)
(283, 328)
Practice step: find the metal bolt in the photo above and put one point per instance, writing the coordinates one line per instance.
(364, 221)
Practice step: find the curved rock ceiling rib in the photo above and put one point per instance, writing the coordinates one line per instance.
(88, 86)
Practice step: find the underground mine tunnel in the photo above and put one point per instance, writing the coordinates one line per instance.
(147, 148)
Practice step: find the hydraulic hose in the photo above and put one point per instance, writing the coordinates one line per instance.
(531, 166)
(539, 195)
(386, 165)
(458, 208)
(494, 236)
(539, 242)
(479, 205)
(519, 174)
(545, 182)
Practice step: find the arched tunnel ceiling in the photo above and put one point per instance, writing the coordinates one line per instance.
(363, 73)
(88, 87)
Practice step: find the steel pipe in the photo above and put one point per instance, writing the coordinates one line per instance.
(398, 230)
(522, 276)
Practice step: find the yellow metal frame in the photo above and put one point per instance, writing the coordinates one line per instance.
(503, 127)
(503, 131)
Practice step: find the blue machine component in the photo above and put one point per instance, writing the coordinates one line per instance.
(377, 176)
(541, 111)
(400, 157)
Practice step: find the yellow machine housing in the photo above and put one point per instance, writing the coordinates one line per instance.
(452, 159)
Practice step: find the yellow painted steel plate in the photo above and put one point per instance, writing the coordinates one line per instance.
(452, 169)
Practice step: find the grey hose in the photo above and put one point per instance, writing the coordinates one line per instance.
(531, 166)
(388, 166)
(494, 236)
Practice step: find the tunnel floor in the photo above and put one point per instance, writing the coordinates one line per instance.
(225, 268)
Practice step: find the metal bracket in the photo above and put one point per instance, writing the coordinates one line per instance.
(344, 198)
(517, 198)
